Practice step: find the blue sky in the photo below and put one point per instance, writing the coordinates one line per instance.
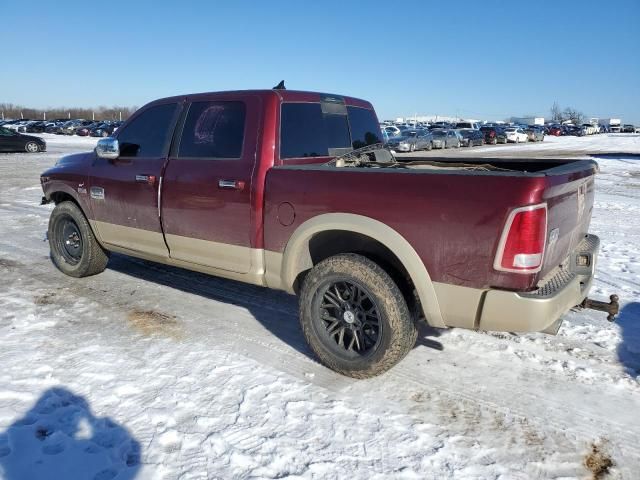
(481, 59)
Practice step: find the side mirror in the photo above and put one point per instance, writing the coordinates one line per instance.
(108, 148)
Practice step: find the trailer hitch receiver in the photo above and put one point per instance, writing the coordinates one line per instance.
(611, 308)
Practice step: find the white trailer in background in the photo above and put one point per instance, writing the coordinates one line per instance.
(528, 120)
(611, 124)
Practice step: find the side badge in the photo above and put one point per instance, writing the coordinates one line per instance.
(97, 193)
(81, 188)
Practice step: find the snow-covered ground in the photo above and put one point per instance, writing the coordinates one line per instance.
(152, 372)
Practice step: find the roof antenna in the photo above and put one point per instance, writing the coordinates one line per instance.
(280, 86)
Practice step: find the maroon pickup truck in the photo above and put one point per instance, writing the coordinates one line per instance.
(293, 191)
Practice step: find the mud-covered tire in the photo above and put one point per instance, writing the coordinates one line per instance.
(74, 248)
(397, 333)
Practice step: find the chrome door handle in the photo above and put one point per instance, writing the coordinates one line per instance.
(231, 184)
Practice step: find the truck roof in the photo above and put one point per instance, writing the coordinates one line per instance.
(282, 95)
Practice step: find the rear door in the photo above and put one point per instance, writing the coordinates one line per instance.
(206, 195)
(124, 192)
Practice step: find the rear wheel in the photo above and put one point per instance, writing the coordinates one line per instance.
(429, 146)
(32, 147)
(354, 316)
(74, 248)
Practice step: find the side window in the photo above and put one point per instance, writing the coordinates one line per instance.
(147, 135)
(213, 130)
(305, 131)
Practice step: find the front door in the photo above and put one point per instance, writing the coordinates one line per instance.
(10, 141)
(124, 192)
(206, 194)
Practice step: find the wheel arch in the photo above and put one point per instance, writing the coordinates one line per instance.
(61, 192)
(332, 233)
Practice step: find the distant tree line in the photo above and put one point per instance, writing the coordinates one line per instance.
(558, 115)
(9, 110)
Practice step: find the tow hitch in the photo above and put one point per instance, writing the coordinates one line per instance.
(611, 308)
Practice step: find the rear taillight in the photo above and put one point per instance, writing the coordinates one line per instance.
(521, 247)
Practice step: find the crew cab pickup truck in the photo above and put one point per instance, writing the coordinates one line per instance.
(293, 191)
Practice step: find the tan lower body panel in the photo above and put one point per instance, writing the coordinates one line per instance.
(130, 238)
(460, 306)
(210, 254)
(505, 311)
(145, 244)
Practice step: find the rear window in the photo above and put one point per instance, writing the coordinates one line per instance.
(364, 127)
(307, 131)
(213, 130)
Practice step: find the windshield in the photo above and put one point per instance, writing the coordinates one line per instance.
(439, 133)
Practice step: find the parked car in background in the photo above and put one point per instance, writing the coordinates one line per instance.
(84, 130)
(442, 125)
(473, 125)
(445, 139)
(471, 137)
(54, 126)
(36, 127)
(12, 141)
(574, 131)
(412, 140)
(494, 135)
(555, 130)
(16, 125)
(615, 129)
(628, 128)
(535, 133)
(107, 129)
(516, 135)
(393, 130)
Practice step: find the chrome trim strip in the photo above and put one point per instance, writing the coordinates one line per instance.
(159, 194)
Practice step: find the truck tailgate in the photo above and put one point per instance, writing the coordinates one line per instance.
(569, 200)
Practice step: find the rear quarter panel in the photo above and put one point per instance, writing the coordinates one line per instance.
(452, 219)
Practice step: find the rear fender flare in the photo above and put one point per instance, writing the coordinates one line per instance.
(297, 257)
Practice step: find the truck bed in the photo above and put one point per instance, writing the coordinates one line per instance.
(453, 215)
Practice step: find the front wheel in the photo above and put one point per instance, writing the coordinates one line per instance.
(74, 248)
(32, 147)
(354, 317)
